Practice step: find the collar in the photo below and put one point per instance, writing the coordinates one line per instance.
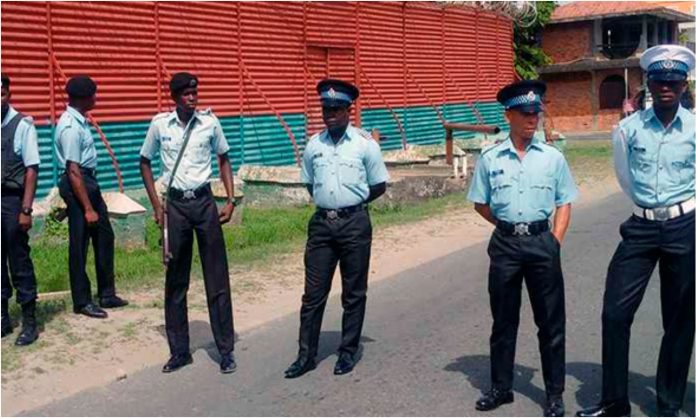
(346, 135)
(682, 114)
(76, 114)
(11, 113)
(507, 146)
(174, 117)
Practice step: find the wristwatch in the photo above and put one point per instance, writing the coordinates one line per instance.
(27, 211)
(235, 202)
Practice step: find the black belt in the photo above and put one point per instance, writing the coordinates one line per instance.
(332, 214)
(190, 194)
(523, 228)
(92, 172)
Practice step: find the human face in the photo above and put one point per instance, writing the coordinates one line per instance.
(666, 94)
(335, 117)
(523, 125)
(187, 100)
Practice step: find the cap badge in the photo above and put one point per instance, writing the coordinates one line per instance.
(332, 93)
(668, 64)
(192, 83)
(531, 96)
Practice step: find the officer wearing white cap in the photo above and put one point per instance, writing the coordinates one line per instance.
(187, 139)
(20, 165)
(88, 217)
(517, 185)
(343, 169)
(654, 162)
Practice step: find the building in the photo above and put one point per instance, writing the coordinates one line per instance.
(258, 64)
(595, 48)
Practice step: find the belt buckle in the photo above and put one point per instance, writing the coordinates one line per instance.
(189, 194)
(521, 229)
(661, 214)
(332, 214)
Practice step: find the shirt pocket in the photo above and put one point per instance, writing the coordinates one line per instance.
(640, 162)
(685, 169)
(543, 196)
(501, 190)
(321, 171)
(352, 171)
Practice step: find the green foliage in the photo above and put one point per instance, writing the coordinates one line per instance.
(527, 51)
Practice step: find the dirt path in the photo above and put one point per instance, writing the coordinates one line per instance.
(75, 353)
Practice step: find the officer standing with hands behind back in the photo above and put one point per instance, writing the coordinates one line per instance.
(517, 185)
(343, 170)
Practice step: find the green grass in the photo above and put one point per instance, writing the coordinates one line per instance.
(263, 234)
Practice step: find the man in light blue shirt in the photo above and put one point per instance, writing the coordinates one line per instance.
(343, 170)
(88, 217)
(187, 139)
(654, 161)
(20, 165)
(517, 186)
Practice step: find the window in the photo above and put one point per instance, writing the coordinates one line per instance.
(611, 92)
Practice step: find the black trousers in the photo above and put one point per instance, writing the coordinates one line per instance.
(536, 259)
(16, 259)
(184, 218)
(102, 236)
(644, 244)
(348, 241)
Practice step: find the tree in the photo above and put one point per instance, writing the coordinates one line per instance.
(527, 51)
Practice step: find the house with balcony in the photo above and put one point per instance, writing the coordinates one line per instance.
(595, 48)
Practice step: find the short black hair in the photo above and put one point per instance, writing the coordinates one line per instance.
(5, 81)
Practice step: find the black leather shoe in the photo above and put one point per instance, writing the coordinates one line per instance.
(227, 364)
(301, 366)
(613, 409)
(554, 407)
(344, 365)
(493, 399)
(112, 302)
(92, 310)
(27, 336)
(176, 362)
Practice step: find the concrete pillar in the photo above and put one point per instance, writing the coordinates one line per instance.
(594, 101)
(596, 46)
(675, 32)
(643, 44)
(656, 27)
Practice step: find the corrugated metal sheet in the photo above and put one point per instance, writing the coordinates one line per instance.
(254, 60)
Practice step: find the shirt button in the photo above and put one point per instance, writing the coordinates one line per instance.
(660, 167)
(522, 170)
(521, 191)
(519, 212)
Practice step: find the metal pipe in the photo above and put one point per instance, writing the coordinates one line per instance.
(485, 129)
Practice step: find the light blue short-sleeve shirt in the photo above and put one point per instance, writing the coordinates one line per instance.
(166, 135)
(26, 140)
(655, 164)
(74, 141)
(342, 172)
(526, 190)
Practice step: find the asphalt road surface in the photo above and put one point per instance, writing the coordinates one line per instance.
(425, 348)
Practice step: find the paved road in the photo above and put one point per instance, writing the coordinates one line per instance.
(425, 349)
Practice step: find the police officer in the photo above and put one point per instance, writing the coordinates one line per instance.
(20, 165)
(517, 185)
(192, 137)
(654, 162)
(343, 171)
(88, 217)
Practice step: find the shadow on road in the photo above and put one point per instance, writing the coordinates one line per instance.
(641, 388)
(329, 341)
(200, 337)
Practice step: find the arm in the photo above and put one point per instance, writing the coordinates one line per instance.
(485, 212)
(227, 180)
(376, 191)
(620, 147)
(149, 182)
(561, 220)
(28, 199)
(77, 184)
(29, 150)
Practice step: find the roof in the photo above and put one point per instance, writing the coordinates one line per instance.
(587, 64)
(681, 11)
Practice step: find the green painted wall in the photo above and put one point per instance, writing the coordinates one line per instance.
(262, 141)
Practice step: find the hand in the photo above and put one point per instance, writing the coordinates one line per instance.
(159, 216)
(24, 222)
(91, 217)
(560, 240)
(226, 213)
